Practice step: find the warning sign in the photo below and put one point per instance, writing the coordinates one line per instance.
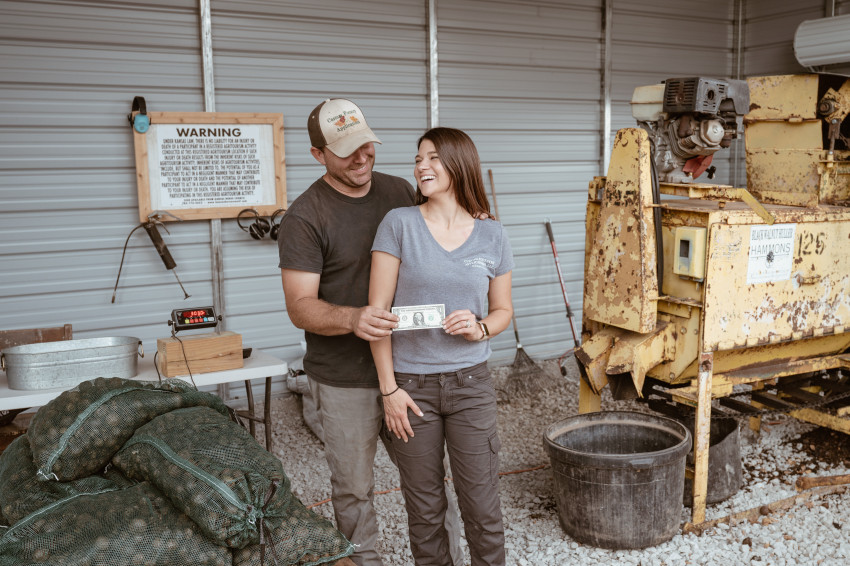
(771, 253)
(203, 166)
(206, 165)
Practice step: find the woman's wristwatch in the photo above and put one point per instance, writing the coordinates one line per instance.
(486, 333)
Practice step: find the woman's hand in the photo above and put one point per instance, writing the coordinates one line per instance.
(395, 413)
(463, 323)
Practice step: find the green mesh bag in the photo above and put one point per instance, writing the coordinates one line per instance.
(212, 470)
(302, 538)
(21, 493)
(76, 434)
(129, 527)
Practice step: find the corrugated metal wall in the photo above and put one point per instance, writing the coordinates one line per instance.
(768, 38)
(770, 28)
(67, 185)
(287, 57)
(656, 40)
(523, 77)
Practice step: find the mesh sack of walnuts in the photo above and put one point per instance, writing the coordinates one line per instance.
(134, 526)
(302, 538)
(76, 434)
(21, 492)
(212, 470)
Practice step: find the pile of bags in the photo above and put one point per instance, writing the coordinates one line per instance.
(119, 472)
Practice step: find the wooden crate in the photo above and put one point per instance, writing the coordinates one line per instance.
(205, 352)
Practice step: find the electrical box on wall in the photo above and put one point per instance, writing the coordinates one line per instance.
(690, 252)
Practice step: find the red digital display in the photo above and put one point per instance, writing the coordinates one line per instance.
(195, 313)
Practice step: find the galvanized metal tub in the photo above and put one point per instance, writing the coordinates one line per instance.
(70, 362)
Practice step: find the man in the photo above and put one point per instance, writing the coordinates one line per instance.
(325, 246)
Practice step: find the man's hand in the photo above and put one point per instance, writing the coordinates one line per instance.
(308, 312)
(372, 323)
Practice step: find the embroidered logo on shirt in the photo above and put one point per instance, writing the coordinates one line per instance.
(481, 263)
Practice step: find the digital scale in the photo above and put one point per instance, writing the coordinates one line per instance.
(198, 353)
(191, 318)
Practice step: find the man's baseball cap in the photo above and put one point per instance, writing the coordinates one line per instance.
(339, 125)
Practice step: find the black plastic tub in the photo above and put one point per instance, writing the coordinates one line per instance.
(725, 475)
(619, 477)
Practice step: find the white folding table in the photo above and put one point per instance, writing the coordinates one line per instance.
(258, 365)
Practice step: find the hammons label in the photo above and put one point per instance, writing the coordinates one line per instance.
(420, 317)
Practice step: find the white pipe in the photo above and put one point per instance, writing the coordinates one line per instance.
(433, 83)
(607, 30)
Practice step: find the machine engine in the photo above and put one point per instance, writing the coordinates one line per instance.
(688, 121)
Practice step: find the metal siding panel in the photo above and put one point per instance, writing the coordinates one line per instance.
(283, 37)
(769, 9)
(769, 34)
(665, 10)
(522, 198)
(522, 78)
(535, 118)
(670, 62)
(67, 181)
(779, 27)
(505, 18)
(533, 147)
(772, 60)
(79, 68)
(520, 114)
(459, 47)
(473, 81)
(339, 14)
(112, 23)
(78, 190)
(695, 31)
(286, 57)
(657, 40)
(77, 107)
(342, 78)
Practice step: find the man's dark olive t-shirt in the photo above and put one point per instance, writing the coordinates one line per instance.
(329, 233)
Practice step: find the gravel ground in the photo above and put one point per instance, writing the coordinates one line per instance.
(815, 532)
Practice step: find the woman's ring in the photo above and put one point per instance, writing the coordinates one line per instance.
(468, 324)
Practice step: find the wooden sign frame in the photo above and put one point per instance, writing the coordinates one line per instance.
(206, 165)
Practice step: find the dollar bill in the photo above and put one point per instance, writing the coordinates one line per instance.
(420, 317)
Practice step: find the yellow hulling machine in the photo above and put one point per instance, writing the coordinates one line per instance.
(711, 286)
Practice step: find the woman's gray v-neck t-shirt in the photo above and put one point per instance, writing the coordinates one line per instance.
(428, 274)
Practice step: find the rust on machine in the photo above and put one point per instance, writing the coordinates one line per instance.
(791, 135)
(622, 287)
(759, 275)
(754, 281)
(782, 97)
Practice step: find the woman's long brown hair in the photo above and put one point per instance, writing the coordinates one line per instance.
(460, 159)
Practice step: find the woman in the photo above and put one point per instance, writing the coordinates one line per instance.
(435, 385)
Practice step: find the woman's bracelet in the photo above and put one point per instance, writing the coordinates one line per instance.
(391, 392)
